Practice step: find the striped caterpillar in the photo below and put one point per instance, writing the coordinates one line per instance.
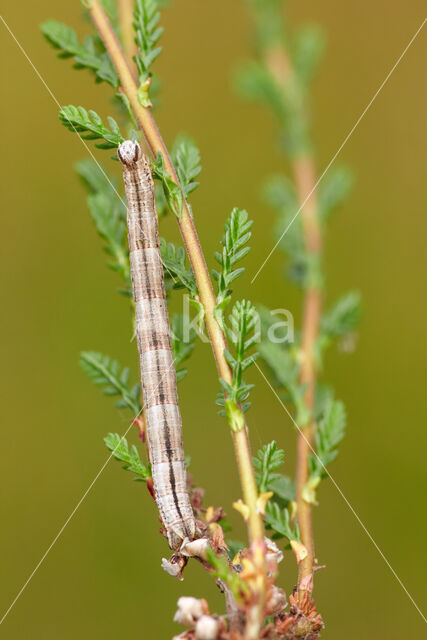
(158, 377)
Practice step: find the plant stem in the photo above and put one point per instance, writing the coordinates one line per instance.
(198, 263)
(125, 9)
(305, 181)
(279, 65)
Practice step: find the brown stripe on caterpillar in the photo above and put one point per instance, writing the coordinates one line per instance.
(158, 378)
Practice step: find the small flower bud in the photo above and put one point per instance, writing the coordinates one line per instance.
(189, 610)
(174, 566)
(195, 548)
(207, 628)
(273, 551)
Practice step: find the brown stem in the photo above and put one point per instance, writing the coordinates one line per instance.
(125, 9)
(303, 169)
(198, 263)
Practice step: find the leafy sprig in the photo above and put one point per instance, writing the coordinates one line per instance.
(278, 519)
(78, 120)
(343, 317)
(243, 332)
(333, 190)
(283, 364)
(329, 433)
(107, 373)
(172, 191)
(109, 214)
(127, 455)
(147, 35)
(236, 235)
(176, 270)
(89, 55)
(307, 47)
(268, 459)
(186, 159)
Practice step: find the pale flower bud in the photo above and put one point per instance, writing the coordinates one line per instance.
(207, 628)
(175, 567)
(189, 610)
(195, 548)
(273, 551)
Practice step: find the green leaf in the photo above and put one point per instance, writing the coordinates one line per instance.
(78, 120)
(107, 373)
(186, 159)
(109, 214)
(284, 490)
(278, 519)
(268, 23)
(307, 50)
(304, 268)
(285, 369)
(236, 235)
(254, 83)
(147, 34)
(344, 316)
(268, 459)
(89, 55)
(333, 190)
(173, 192)
(95, 179)
(329, 433)
(243, 332)
(174, 262)
(234, 546)
(128, 455)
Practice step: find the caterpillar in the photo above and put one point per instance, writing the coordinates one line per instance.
(152, 328)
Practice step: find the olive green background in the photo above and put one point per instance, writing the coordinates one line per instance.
(102, 579)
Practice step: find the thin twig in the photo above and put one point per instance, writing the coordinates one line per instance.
(125, 9)
(303, 169)
(198, 263)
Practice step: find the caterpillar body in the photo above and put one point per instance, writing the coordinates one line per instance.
(158, 377)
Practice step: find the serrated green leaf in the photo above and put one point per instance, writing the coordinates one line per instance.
(268, 459)
(105, 372)
(278, 519)
(128, 455)
(236, 235)
(78, 120)
(329, 433)
(86, 55)
(307, 48)
(333, 190)
(172, 191)
(344, 316)
(147, 34)
(174, 262)
(186, 160)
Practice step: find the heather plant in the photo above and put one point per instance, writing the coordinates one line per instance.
(121, 50)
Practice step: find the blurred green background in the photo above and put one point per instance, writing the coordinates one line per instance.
(102, 579)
